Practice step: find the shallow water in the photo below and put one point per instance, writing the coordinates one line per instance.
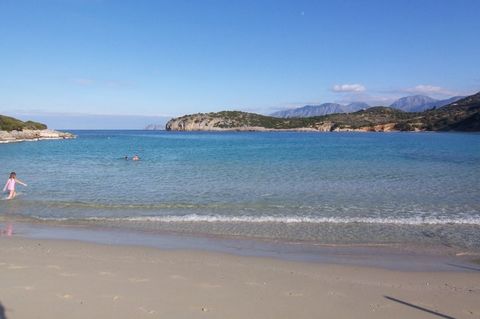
(327, 188)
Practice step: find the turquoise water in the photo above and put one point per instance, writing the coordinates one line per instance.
(326, 188)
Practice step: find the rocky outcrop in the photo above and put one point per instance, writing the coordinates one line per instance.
(33, 135)
(197, 122)
(208, 122)
(231, 121)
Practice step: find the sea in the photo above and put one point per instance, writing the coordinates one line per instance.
(323, 188)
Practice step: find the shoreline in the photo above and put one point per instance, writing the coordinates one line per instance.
(35, 140)
(389, 256)
(299, 130)
(77, 280)
(412, 237)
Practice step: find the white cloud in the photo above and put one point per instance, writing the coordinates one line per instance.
(348, 88)
(428, 89)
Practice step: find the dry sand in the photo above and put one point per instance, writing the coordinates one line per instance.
(68, 279)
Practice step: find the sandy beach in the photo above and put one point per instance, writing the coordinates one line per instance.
(239, 159)
(71, 279)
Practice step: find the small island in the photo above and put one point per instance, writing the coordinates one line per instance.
(15, 130)
(462, 115)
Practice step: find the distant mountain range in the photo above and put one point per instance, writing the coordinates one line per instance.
(420, 103)
(322, 109)
(461, 115)
(414, 103)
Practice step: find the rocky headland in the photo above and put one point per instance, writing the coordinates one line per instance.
(14, 130)
(33, 135)
(462, 115)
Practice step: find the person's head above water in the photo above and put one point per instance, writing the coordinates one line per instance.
(13, 175)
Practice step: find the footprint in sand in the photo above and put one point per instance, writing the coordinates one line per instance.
(209, 285)
(16, 267)
(150, 312)
(136, 280)
(114, 298)
(68, 274)
(255, 284)
(106, 273)
(377, 306)
(26, 288)
(54, 267)
(293, 294)
(65, 296)
(336, 294)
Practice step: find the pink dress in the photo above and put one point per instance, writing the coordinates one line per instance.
(11, 184)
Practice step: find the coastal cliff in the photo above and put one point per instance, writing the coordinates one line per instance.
(14, 130)
(229, 120)
(462, 115)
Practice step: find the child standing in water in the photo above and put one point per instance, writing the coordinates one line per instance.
(10, 185)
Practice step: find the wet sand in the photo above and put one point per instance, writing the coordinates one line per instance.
(72, 279)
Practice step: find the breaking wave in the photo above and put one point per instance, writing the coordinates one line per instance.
(192, 218)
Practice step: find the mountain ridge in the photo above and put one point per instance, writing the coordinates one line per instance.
(420, 103)
(411, 103)
(320, 110)
(462, 115)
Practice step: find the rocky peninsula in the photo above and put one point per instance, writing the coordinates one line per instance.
(14, 130)
(462, 115)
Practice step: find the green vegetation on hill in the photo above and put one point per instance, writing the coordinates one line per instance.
(371, 116)
(365, 118)
(237, 118)
(10, 124)
(463, 115)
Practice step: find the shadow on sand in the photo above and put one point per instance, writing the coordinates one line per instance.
(441, 315)
(2, 312)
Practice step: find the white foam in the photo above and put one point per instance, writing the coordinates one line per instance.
(294, 219)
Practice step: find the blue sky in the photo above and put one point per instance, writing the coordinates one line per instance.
(168, 58)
